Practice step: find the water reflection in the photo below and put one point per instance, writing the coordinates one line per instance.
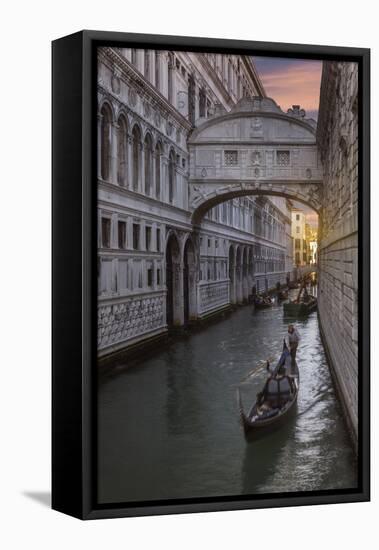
(169, 427)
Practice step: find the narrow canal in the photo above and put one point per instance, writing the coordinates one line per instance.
(169, 427)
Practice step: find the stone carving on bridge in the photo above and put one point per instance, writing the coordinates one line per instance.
(255, 158)
(256, 130)
(276, 154)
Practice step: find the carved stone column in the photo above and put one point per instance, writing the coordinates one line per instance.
(153, 175)
(192, 291)
(129, 163)
(178, 294)
(141, 183)
(233, 286)
(239, 293)
(113, 153)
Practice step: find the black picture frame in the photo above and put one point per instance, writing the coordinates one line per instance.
(74, 291)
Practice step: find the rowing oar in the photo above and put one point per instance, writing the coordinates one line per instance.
(259, 365)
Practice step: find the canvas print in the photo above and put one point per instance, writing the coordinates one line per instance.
(227, 218)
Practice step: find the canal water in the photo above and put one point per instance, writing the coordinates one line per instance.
(168, 427)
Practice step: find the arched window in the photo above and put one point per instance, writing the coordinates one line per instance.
(122, 140)
(158, 155)
(136, 148)
(171, 176)
(148, 151)
(106, 129)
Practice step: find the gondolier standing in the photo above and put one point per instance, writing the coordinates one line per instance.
(293, 341)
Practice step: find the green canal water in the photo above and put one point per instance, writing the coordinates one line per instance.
(168, 427)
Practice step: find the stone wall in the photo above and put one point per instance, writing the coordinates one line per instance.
(338, 246)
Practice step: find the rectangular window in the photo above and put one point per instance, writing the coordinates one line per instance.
(105, 232)
(158, 277)
(122, 235)
(297, 243)
(148, 238)
(231, 158)
(282, 158)
(297, 229)
(158, 240)
(209, 243)
(136, 230)
(297, 217)
(216, 243)
(149, 277)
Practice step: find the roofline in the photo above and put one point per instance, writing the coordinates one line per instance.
(248, 61)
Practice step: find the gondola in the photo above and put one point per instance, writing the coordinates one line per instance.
(277, 399)
(301, 308)
(263, 303)
(303, 305)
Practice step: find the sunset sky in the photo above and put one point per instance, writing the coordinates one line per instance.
(291, 82)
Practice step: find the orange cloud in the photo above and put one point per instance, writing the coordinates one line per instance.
(298, 84)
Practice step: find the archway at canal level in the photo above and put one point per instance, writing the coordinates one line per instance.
(181, 279)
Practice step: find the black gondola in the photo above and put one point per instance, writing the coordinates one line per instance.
(277, 399)
(263, 303)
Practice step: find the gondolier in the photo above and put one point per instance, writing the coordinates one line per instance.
(293, 341)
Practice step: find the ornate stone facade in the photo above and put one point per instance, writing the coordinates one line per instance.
(338, 247)
(155, 268)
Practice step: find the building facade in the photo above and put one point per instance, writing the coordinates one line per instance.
(300, 248)
(337, 135)
(311, 238)
(154, 269)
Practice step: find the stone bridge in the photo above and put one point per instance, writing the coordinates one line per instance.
(255, 149)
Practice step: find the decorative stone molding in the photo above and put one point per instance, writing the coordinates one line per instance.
(212, 295)
(124, 321)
